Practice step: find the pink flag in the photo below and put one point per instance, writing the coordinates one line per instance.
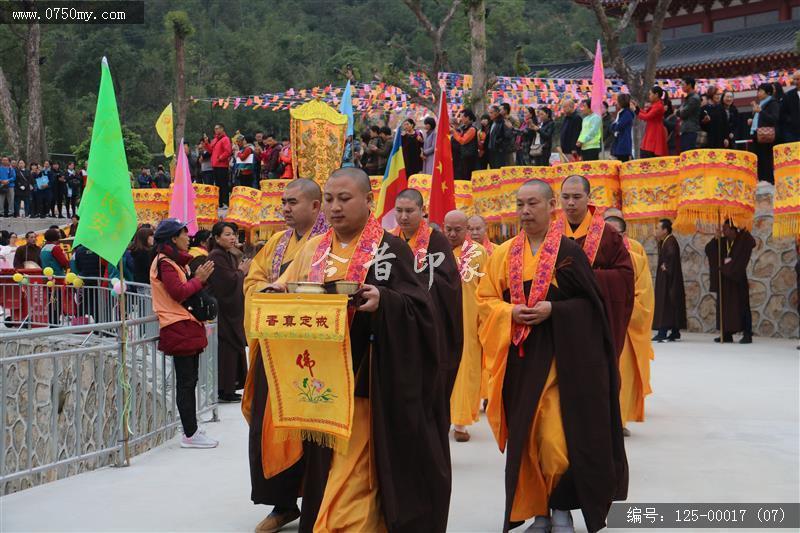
(598, 82)
(182, 203)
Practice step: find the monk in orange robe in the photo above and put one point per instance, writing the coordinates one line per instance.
(605, 250)
(553, 386)
(301, 200)
(634, 362)
(392, 476)
(471, 256)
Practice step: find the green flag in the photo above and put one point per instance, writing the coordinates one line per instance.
(108, 217)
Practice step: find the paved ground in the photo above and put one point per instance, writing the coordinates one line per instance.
(722, 427)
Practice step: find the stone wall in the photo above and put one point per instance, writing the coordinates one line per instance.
(773, 281)
(70, 388)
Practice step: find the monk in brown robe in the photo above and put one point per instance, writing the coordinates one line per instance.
(436, 265)
(301, 200)
(737, 246)
(393, 475)
(606, 252)
(554, 384)
(670, 294)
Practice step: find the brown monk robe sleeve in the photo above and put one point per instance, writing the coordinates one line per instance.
(412, 470)
(578, 337)
(446, 295)
(613, 269)
(396, 362)
(446, 298)
(736, 269)
(713, 263)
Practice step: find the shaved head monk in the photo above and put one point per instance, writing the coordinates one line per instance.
(471, 257)
(477, 231)
(605, 250)
(436, 265)
(553, 385)
(302, 200)
(634, 362)
(393, 475)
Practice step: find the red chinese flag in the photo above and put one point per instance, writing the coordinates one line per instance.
(443, 194)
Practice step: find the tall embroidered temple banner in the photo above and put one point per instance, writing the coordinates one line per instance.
(305, 345)
(318, 137)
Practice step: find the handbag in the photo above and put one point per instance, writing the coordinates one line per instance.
(202, 305)
(537, 149)
(765, 135)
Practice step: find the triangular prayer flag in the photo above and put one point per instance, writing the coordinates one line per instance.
(108, 216)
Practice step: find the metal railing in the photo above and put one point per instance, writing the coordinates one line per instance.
(66, 381)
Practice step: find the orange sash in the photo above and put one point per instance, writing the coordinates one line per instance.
(541, 280)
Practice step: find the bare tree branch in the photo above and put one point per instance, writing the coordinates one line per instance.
(626, 18)
(447, 18)
(436, 34)
(654, 42)
(416, 7)
(579, 46)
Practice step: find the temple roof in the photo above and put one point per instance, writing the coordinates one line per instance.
(748, 50)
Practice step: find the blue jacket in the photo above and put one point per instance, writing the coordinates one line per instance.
(623, 134)
(8, 173)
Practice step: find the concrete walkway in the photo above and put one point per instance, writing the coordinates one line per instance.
(722, 427)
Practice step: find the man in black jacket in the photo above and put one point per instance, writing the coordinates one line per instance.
(499, 138)
(570, 129)
(790, 112)
(22, 189)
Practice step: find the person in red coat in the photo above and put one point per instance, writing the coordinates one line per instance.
(285, 158)
(654, 142)
(221, 151)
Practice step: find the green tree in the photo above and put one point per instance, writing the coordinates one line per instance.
(136, 151)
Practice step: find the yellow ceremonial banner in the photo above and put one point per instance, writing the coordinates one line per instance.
(650, 191)
(317, 135)
(165, 131)
(716, 185)
(787, 190)
(305, 345)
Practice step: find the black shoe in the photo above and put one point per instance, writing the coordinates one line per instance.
(230, 398)
(673, 338)
(659, 338)
(747, 339)
(726, 338)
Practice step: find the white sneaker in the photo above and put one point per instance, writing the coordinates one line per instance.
(562, 522)
(198, 440)
(541, 524)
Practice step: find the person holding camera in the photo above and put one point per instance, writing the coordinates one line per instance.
(182, 334)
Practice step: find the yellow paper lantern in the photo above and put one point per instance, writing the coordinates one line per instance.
(77, 283)
(48, 271)
(17, 277)
(70, 277)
